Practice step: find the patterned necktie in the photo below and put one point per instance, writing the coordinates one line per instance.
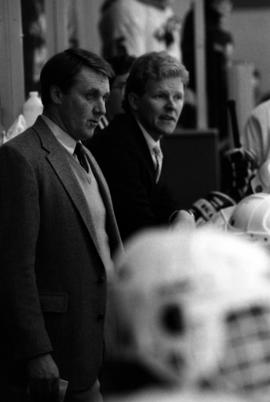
(81, 155)
(158, 161)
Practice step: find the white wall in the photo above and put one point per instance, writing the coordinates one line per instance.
(251, 31)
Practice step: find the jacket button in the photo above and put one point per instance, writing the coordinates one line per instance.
(100, 316)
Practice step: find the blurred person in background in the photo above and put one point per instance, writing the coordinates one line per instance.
(256, 136)
(121, 66)
(243, 165)
(139, 26)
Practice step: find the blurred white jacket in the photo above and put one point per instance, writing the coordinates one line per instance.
(256, 136)
(137, 28)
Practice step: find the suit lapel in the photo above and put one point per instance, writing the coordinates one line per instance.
(57, 158)
(143, 149)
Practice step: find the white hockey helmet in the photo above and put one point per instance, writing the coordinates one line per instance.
(194, 306)
(251, 217)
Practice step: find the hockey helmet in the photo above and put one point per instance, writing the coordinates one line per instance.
(251, 217)
(194, 306)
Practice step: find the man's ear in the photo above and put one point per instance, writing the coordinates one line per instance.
(133, 100)
(56, 94)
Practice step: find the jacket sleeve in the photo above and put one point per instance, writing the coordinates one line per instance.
(23, 324)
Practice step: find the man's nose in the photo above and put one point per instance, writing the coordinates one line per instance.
(171, 103)
(100, 107)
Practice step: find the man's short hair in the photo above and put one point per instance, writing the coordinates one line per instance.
(62, 69)
(152, 66)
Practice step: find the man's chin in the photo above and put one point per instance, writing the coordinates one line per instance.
(167, 129)
(87, 135)
(166, 133)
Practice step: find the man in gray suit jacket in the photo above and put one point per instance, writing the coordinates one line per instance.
(57, 237)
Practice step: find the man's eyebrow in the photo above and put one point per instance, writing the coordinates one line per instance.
(93, 91)
(97, 92)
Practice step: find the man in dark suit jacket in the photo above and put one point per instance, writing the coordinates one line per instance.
(153, 101)
(57, 236)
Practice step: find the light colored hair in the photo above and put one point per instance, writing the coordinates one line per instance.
(154, 66)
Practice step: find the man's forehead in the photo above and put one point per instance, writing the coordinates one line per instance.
(89, 75)
(93, 80)
(157, 3)
(171, 83)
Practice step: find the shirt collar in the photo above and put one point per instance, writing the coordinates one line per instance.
(62, 136)
(149, 140)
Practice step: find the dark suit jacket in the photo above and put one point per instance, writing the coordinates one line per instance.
(124, 157)
(53, 281)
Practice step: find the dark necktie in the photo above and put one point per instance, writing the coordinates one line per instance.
(81, 155)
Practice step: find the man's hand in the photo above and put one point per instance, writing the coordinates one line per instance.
(43, 379)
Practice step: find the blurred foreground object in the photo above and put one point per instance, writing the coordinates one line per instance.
(177, 396)
(193, 308)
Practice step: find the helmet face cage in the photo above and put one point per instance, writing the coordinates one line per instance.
(166, 331)
(245, 366)
(206, 322)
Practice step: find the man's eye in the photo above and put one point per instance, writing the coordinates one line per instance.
(159, 96)
(89, 96)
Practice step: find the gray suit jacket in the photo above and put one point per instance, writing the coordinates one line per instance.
(53, 281)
